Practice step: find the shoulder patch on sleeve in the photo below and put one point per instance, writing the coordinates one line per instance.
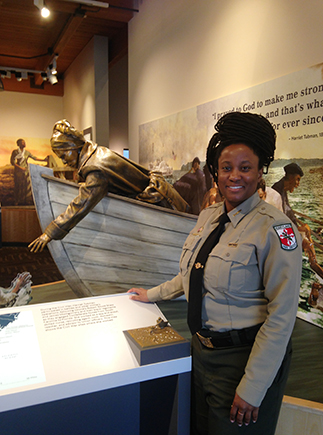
(286, 236)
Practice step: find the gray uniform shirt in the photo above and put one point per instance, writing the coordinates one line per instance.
(252, 276)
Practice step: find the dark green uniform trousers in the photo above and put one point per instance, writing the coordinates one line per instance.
(216, 374)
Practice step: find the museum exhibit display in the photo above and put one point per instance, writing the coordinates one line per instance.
(121, 243)
(102, 66)
(73, 358)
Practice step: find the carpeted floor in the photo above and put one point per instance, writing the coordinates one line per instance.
(17, 259)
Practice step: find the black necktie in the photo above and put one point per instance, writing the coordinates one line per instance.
(196, 278)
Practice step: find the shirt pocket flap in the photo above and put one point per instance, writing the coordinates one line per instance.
(188, 249)
(233, 269)
(243, 254)
(191, 242)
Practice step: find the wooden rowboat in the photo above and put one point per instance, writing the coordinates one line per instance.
(121, 243)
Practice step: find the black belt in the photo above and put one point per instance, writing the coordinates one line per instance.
(233, 338)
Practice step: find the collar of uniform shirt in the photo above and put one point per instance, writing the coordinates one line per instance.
(243, 209)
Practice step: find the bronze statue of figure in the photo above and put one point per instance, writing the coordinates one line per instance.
(101, 171)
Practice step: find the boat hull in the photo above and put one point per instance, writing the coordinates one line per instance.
(121, 243)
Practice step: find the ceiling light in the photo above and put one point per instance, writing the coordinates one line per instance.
(45, 12)
(40, 4)
(53, 66)
(22, 74)
(5, 74)
(51, 77)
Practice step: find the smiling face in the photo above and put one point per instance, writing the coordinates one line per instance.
(238, 174)
(69, 157)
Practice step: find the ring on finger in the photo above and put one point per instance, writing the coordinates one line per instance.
(241, 413)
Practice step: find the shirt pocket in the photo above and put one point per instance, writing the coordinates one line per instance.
(233, 269)
(189, 248)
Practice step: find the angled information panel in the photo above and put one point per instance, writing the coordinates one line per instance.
(65, 349)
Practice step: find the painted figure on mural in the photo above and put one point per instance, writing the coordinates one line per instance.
(315, 298)
(269, 195)
(212, 196)
(19, 159)
(192, 186)
(288, 183)
(101, 171)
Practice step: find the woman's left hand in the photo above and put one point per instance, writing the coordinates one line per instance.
(242, 412)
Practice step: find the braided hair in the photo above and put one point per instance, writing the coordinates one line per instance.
(250, 129)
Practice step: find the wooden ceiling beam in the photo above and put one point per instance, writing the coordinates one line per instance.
(69, 30)
(72, 25)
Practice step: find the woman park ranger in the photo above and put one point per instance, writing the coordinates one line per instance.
(240, 270)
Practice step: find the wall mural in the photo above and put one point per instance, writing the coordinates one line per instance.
(15, 153)
(294, 106)
(17, 219)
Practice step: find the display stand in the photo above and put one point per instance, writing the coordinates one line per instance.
(67, 367)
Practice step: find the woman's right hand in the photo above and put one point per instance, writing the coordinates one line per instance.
(140, 294)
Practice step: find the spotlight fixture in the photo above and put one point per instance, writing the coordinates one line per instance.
(22, 74)
(48, 75)
(40, 4)
(51, 77)
(53, 66)
(5, 74)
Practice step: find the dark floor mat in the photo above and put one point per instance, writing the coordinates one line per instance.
(16, 259)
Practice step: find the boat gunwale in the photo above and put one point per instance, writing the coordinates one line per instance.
(125, 198)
